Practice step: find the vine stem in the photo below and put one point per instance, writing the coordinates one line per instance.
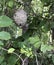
(13, 53)
(23, 60)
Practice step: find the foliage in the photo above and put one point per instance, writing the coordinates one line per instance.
(36, 43)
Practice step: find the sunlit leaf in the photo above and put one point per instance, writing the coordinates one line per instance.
(45, 48)
(5, 21)
(11, 50)
(5, 35)
(35, 41)
(37, 6)
(10, 3)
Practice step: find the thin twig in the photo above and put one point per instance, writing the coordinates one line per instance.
(18, 56)
(37, 60)
(23, 61)
(13, 53)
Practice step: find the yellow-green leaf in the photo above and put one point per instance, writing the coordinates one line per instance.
(11, 50)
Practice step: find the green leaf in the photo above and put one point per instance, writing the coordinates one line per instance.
(18, 32)
(52, 24)
(5, 35)
(35, 41)
(37, 44)
(3, 63)
(11, 50)
(5, 21)
(26, 50)
(44, 38)
(1, 59)
(12, 59)
(10, 3)
(53, 58)
(45, 47)
(37, 6)
(45, 27)
(1, 43)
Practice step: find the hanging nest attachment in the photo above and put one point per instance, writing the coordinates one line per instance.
(20, 17)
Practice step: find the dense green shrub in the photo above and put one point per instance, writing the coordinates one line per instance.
(36, 44)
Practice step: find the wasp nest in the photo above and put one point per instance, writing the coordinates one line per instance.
(20, 17)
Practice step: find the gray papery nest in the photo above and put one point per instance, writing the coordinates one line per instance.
(20, 17)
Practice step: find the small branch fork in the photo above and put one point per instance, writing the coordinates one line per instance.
(23, 60)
